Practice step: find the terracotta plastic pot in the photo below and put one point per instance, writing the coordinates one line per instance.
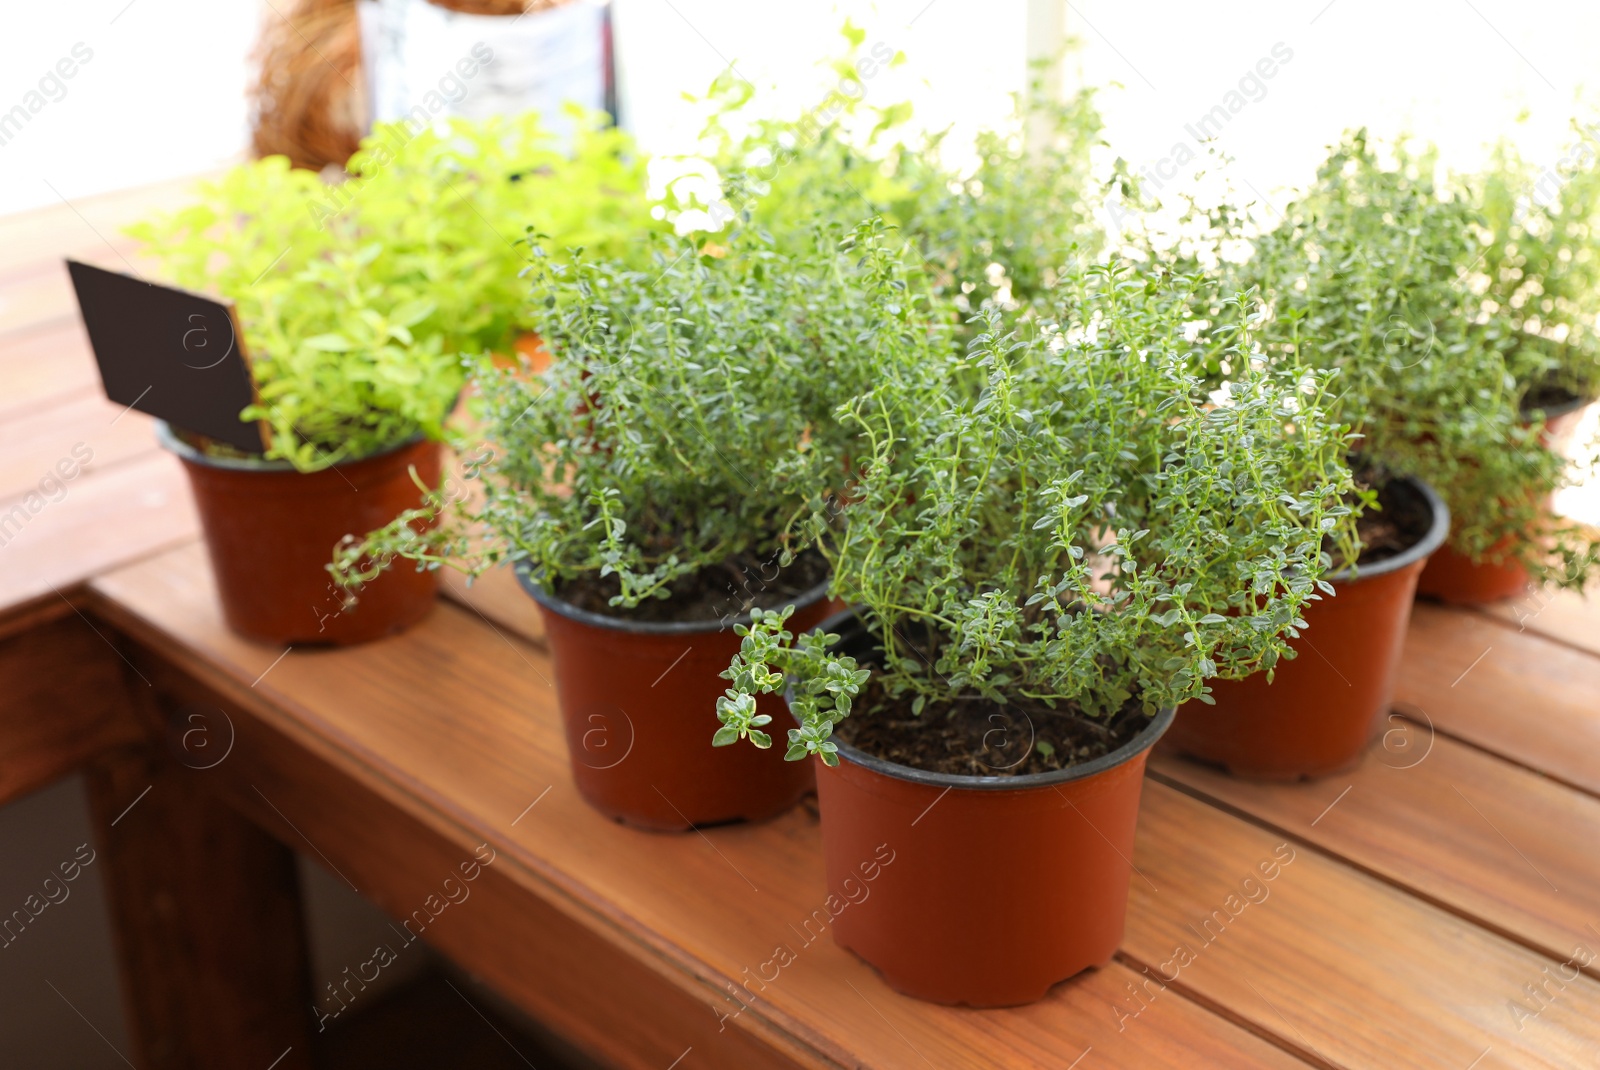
(983, 891)
(270, 532)
(638, 701)
(1323, 707)
(1452, 576)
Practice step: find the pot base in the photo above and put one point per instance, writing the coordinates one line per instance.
(1324, 707)
(935, 995)
(653, 821)
(270, 533)
(1266, 773)
(1453, 577)
(638, 703)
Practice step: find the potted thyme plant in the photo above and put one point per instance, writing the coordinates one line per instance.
(1051, 545)
(650, 487)
(1361, 276)
(356, 301)
(1538, 264)
(1399, 277)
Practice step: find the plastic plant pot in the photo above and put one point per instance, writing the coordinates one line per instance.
(638, 702)
(979, 891)
(1452, 576)
(270, 532)
(1324, 706)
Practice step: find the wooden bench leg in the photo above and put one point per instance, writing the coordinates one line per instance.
(208, 922)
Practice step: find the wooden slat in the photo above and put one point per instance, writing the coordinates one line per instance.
(45, 365)
(1565, 616)
(206, 913)
(1353, 972)
(499, 599)
(50, 441)
(41, 235)
(458, 734)
(43, 296)
(1487, 839)
(1512, 693)
(118, 516)
(64, 702)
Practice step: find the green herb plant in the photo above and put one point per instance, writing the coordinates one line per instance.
(998, 229)
(1541, 259)
(686, 422)
(1378, 270)
(357, 300)
(1069, 519)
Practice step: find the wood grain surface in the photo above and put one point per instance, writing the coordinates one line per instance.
(65, 701)
(1510, 692)
(455, 726)
(699, 910)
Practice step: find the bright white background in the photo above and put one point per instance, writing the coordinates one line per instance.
(163, 95)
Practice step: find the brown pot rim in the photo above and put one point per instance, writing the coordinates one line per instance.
(1438, 531)
(170, 440)
(566, 609)
(1159, 723)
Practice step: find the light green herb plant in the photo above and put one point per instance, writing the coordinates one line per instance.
(1541, 259)
(358, 299)
(998, 229)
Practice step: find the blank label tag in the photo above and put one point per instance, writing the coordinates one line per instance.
(170, 353)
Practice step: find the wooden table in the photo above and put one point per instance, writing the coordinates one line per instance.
(1441, 909)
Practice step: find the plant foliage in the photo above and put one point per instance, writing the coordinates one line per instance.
(1071, 518)
(357, 299)
(1382, 272)
(687, 416)
(997, 227)
(1541, 260)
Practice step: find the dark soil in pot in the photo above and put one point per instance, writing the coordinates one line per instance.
(270, 532)
(976, 736)
(728, 589)
(981, 890)
(1324, 706)
(638, 692)
(1452, 576)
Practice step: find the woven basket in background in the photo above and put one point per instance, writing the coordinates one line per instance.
(309, 97)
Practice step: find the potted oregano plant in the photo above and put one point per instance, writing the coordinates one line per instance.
(651, 488)
(355, 301)
(1051, 545)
